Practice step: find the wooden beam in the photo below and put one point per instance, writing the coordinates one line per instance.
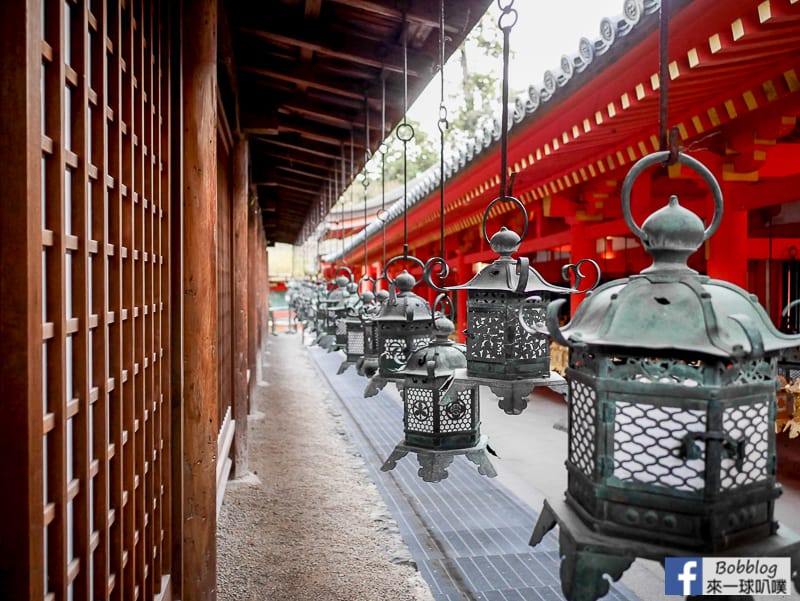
(302, 149)
(200, 300)
(424, 13)
(360, 51)
(308, 78)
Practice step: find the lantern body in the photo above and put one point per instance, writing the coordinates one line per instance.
(672, 401)
(509, 358)
(354, 330)
(441, 409)
(404, 325)
(367, 365)
(678, 450)
(497, 345)
(334, 307)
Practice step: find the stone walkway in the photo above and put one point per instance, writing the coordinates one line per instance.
(468, 534)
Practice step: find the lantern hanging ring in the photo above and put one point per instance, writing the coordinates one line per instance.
(505, 199)
(683, 159)
(411, 259)
(509, 15)
(405, 132)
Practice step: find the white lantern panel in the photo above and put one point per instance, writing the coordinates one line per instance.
(646, 443)
(457, 415)
(751, 423)
(419, 403)
(355, 342)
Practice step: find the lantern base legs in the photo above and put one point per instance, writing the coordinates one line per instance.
(512, 395)
(587, 557)
(345, 366)
(376, 384)
(434, 463)
(326, 341)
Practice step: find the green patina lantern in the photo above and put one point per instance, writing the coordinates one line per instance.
(367, 365)
(672, 386)
(441, 413)
(501, 353)
(404, 325)
(355, 330)
(334, 307)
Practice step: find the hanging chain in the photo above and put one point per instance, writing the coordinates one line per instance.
(365, 182)
(443, 124)
(383, 169)
(405, 133)
(506, 21)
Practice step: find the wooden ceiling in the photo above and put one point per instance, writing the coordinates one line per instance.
(298, 75)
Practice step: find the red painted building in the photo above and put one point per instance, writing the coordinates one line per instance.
(734, 97)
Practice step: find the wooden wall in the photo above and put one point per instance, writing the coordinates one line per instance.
(129, 258)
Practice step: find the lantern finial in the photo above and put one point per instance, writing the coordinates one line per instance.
(505, 241)
(405, 281)
(671, 235)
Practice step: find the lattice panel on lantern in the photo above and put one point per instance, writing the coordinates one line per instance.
(105, 81)
(754, 372)
(419, 342)
(647, 439)
(751, 423)
(341, 327)
(355, 342)
(529, 345)
(582, 399)
(457, 415)
(419, 409)
(396, 350)
(483, 341)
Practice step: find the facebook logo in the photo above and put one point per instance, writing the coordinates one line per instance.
(683, 576)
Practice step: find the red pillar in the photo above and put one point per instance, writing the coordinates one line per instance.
(726, 257)
(581, 247)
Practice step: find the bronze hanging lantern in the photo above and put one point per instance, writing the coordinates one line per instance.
(404, 325)
(501, 354)
(441, 404)
(367, 365)
(355, 343)
(671, 446)
(334, 307)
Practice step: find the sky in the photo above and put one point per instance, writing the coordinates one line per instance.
(544, 32)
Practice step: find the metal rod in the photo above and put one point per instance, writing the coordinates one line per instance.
(442, 128)
(663, 75)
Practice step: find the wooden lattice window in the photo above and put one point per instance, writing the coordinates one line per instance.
(105, 168)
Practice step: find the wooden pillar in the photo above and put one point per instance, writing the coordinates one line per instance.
(200, 300)
(240, 290)
(726, 257)
(252, 313)
(582, 246)
(22, 529)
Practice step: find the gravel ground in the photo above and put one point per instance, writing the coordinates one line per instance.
(307, 523)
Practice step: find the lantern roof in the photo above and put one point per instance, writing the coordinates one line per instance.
(405, 305)
(669, 306)
(440, 358)
(682, 312)
(506, 273)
